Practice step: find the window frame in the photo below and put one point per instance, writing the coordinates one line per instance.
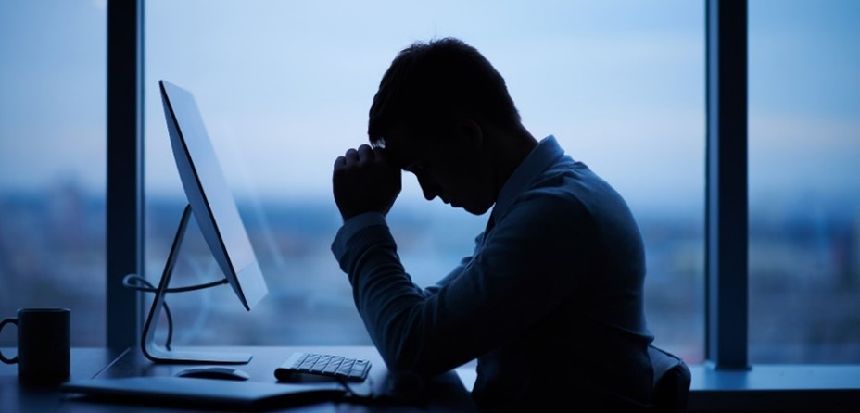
(726, 200)
(725, 381)
(125, 174)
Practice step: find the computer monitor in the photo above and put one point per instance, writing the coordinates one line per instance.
(217, 216)
(210, 198)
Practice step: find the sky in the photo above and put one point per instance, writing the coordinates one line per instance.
(284, 87)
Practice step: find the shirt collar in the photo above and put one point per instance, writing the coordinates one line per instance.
(545, 154)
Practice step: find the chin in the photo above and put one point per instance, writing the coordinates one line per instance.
(480, 210)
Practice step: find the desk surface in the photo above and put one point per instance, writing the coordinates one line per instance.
(85, 363)
(762, 386)
(446, 394)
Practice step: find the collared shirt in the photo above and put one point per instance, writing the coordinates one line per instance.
(550, 303)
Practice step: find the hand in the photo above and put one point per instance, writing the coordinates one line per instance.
(364, 181)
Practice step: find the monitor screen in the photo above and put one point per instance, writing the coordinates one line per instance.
(209, 196)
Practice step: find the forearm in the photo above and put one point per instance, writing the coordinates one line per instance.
(385, 296)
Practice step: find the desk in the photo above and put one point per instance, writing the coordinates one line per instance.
(85, 363)
(763, 386)
(445, 394)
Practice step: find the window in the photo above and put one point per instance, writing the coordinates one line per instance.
(284, 88)
(52, 162)
(804, 128)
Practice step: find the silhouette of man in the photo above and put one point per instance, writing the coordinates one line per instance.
(550, 303)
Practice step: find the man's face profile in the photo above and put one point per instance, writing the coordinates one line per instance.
(447, 165)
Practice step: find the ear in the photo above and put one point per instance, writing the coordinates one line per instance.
(471, 133)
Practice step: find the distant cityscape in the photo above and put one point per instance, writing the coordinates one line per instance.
(804, 292)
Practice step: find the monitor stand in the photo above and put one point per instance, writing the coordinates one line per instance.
(159, 354)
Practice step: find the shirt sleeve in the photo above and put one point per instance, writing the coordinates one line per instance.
(453, 274)
(359, 222)
(519, 276)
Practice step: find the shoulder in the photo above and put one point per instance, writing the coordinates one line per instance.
(559, 193)
(573, 197)
(546, 210)
(580, 187)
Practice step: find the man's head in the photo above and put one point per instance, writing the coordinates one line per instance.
(444, 113)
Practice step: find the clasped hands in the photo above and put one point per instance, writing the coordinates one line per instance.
(364, 181)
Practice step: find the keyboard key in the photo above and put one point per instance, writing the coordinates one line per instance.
(306, 365)
(331, 367)
(345, 367)
(318, 367)
(297, 361)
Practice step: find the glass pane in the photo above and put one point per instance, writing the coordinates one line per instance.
(52, 162)
(804, 192)
(285, 87)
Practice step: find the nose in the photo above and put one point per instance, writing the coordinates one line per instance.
(431, 190)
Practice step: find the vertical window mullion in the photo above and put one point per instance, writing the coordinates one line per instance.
(124, 169)
(726, 220)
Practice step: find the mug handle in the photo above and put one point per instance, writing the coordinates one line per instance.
(3, 323)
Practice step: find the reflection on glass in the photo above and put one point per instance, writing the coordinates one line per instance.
(285, 87)
(804, 192)
(52, 162)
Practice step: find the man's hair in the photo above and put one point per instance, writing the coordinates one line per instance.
(431, 84)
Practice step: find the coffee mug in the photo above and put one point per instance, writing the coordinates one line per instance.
(43, 345)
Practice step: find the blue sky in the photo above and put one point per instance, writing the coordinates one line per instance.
(284, 87)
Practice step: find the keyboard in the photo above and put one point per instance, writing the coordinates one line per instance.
(312, 365)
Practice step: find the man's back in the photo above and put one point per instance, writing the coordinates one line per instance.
(550, 304)
(592, 347)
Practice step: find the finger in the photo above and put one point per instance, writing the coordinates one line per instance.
(365, 153)
(379, 155)
(339, 162)
(351, 156)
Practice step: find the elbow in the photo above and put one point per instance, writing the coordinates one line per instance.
(413, 364)
(403, 344)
